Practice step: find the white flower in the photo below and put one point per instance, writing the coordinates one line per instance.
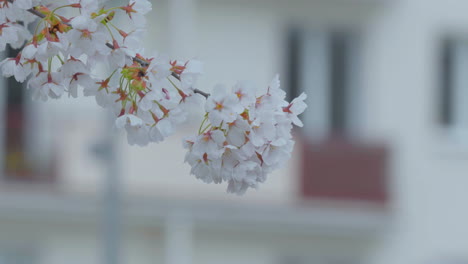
(147, 102)
(87, 7)
(283, 126)
(193, 70)
(11, 12)
(54, 85)
(46, 85)
(210, 142)
(160, 114)
(222, 106)
(141, 6)
(13, 34)
(73, 66)
(134, 39)
(48, 49)
(136, 9)
(295, 108)
(262, 133)
(175, 116)
(159, 69)
(13, 67)
(103, 91)
(276, 151)
(161, 109)
(137, 131)
(249, 147)
(121, 56)
(87, 37)
(138, 135)
(79, 79)
(242, 176)
(243, 137)
(237, 130)
(29, 51)
(161, 130)
(274, 91)
(206, 165)
(245, 92)
(205, 168)
(104, 98)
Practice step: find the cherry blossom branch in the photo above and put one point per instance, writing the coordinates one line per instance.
(39, 14)
(230, 145)
(140, 61)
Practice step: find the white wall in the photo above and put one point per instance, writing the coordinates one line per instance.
(429, 171)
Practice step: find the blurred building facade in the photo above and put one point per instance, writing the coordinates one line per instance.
(378, 173)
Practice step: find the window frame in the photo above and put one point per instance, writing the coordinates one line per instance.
(315, 57)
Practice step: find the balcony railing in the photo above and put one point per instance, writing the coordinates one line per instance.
(341, 170)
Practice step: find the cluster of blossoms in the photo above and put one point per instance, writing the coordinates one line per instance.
(14, 20)
(242, 138)
(64, 53)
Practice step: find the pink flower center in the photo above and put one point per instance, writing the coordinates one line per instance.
(219, 106)
(86, 34)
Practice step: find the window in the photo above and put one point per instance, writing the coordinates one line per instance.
(325, 65)
(19, 162)
(453, 113)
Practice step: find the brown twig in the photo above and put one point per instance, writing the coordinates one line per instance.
(32, 11)
(200, 92)
(206, 95)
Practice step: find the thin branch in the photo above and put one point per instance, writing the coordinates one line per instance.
(140, 61)
(31, 10)
(206, 95)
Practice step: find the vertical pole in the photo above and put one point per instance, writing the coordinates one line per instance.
(3, 118)
(111, 225)
(178, 238)
(112, 213)
(112, 216)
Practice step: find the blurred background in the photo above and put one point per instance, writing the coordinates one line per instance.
(379, 172)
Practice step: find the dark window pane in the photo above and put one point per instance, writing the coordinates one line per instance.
(293, 59)
(14, 163)
(19, 166)
(446, 83)
(338, 82)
